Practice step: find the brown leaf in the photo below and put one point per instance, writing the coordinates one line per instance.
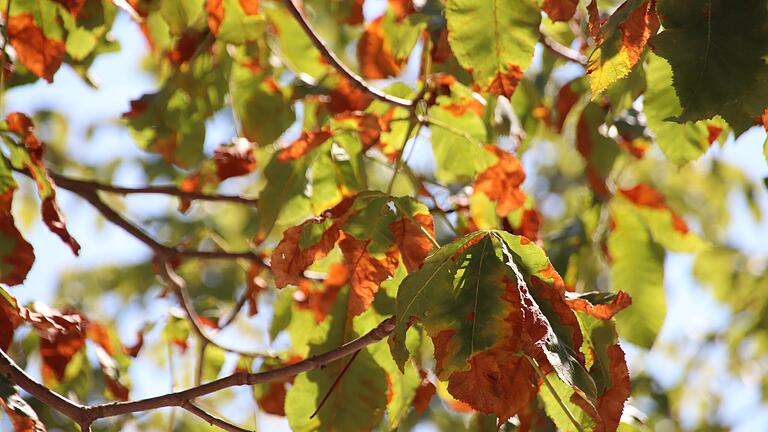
(366, 272)
(610, 404)
(560, 10)
(424, 393)
(255, 286)
(42, 56)
(17, 262)
(501, 182)
(347, 97)
(601, 311)
(307, 142)
(133, 350)
(374, 55)
(414, 246)
(73, 6)
(565, 101)
(234, 160)
(57, 350)
(594, 21)
(55, 221)
(504, 84)
(186, 46)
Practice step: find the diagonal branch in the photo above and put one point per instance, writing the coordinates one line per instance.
(85, 415)
(338, 65)
(180, 288)
(563, 51)
(70, 183)
(211, 420)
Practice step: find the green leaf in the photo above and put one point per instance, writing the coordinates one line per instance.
(457, 142)
(717, 50)
(637, 267)
(181, 14)
(494, 41)
(357, 403)
(296, 49)
(282, 194)
(680, 142)
(261, 104)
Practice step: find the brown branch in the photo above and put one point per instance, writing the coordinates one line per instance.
(85, 415)
(211, 420)
(70, 183)
(180, 288)
(562, 50)
(235, 310)
(338, 65)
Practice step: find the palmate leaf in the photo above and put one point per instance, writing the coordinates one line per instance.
(491, 302)
(717, 50)
(494, 40)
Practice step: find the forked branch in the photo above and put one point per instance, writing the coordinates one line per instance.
(85, 415)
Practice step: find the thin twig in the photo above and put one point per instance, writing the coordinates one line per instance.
(443, 125)
(335, 383)
(551, 389)
(87, 414)
(338, 65)
(563, 51)
(235, 310)
(180, 288)
(211, 420)
(411, 126)
(72, 183)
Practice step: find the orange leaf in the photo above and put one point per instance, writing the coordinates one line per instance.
(19, 261)
(347, 97)
(307, 142)
(289, 260)
(646, 196)
(595, 22)
(215, 9)
(42, 56)
(504, 84)
(560, 10)
(375, 57)
(413, 244)
(501, 181)
(366, 272)
(58, 350)
(638, 28)
(601, 311)
(100, 334)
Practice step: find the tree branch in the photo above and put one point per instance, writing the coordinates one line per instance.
(562, 50)
(70, 183)
(180, 288)
(211, 420)
(338, 65)
(87, 414)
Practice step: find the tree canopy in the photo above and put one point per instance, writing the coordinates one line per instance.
(456, 213)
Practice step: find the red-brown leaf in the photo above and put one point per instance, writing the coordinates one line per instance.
(42, 56)
(375, 57)
(55, 221)
(19, 260)
(234, 160)
(424, 394)
(307, 142)
(610, 404)
(501, 182)
(57, 351)
(638, 28)
(289, 260)
(560, 10)
(73, 6)
(347, 97)
(505, 83)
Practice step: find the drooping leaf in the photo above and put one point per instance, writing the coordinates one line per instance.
(488, 300)
(16, 254)
(494, 42)
(28, 155)
(22, 416)
(622, 41)
(37, 38)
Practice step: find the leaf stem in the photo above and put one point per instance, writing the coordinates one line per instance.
(453, 130)
(411, 125)
(560, 402)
